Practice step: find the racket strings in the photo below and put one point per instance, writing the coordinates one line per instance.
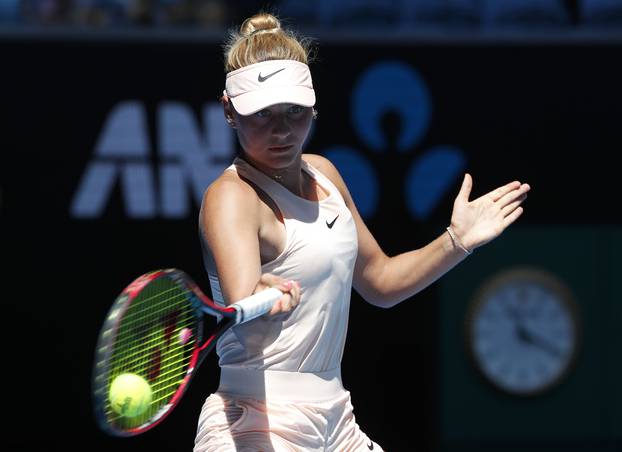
(131, 328)
(148, 344)
(136, 319)
(138, 351)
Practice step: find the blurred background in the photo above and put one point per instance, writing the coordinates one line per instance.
(374, 15)
(112, 130)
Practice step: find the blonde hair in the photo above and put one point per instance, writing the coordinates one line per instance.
(261, 38)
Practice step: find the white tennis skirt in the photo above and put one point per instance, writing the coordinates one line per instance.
(274, 411)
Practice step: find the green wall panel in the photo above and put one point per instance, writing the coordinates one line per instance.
(586, 406)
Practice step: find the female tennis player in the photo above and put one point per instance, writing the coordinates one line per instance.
(278, 217)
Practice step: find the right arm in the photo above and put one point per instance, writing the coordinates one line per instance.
(230, 221)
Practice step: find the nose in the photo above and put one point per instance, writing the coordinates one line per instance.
(280, 126)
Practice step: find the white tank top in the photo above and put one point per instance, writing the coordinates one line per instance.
(320, 253)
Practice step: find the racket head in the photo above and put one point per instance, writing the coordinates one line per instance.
(155, 330)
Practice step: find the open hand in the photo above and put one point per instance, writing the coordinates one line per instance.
(477, 222)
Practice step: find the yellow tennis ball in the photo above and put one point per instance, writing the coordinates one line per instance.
(129, 395)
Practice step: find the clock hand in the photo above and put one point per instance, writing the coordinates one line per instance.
(519, 327)
(528, 337)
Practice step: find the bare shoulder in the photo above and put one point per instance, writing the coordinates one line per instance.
(326, 167)
(229, 196)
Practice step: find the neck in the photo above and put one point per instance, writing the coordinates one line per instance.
(290, 177)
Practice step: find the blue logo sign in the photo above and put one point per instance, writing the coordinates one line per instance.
(393, 87)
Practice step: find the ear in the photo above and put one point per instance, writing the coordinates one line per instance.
(227, 110)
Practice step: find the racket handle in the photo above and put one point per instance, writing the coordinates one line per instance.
(256, 305)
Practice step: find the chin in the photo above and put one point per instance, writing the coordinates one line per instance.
(282, 158)
(274, 158)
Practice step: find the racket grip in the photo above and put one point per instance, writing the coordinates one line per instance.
(256, 305)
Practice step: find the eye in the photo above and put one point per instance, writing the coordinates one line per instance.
(263, 113)
(295, 109)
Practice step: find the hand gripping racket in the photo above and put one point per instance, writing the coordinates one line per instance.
(153, 339)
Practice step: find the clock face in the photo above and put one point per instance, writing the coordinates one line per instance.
(523, 331)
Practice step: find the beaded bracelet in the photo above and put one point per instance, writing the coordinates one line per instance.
(454, 239)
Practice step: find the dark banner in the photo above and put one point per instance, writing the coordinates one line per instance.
(108, 147)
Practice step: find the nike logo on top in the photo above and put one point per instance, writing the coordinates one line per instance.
(330, 225)
(370, 446)
(261, 79)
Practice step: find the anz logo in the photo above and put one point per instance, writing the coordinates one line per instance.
(392, 86)
(188, 161)
(190, 157)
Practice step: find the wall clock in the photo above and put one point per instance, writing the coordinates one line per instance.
(523, 331)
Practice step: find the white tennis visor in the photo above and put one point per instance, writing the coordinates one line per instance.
(260, 85)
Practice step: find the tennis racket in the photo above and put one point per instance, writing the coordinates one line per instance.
(155, 336)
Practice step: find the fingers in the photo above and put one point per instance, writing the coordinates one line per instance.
(500, 192)
(518, 194)
(291, 296)
(269, 280)
(512, 206)
(290, 289)
(465, 189)
(511, 218)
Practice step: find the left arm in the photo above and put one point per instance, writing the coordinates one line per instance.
(386, 281)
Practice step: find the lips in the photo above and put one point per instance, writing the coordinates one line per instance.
(281, 147)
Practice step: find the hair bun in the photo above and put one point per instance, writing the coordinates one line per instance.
(260, 22)
(261, 38)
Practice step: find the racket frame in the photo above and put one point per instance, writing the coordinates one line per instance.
(226, 316)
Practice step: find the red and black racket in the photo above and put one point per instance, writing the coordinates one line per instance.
(155, 336)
